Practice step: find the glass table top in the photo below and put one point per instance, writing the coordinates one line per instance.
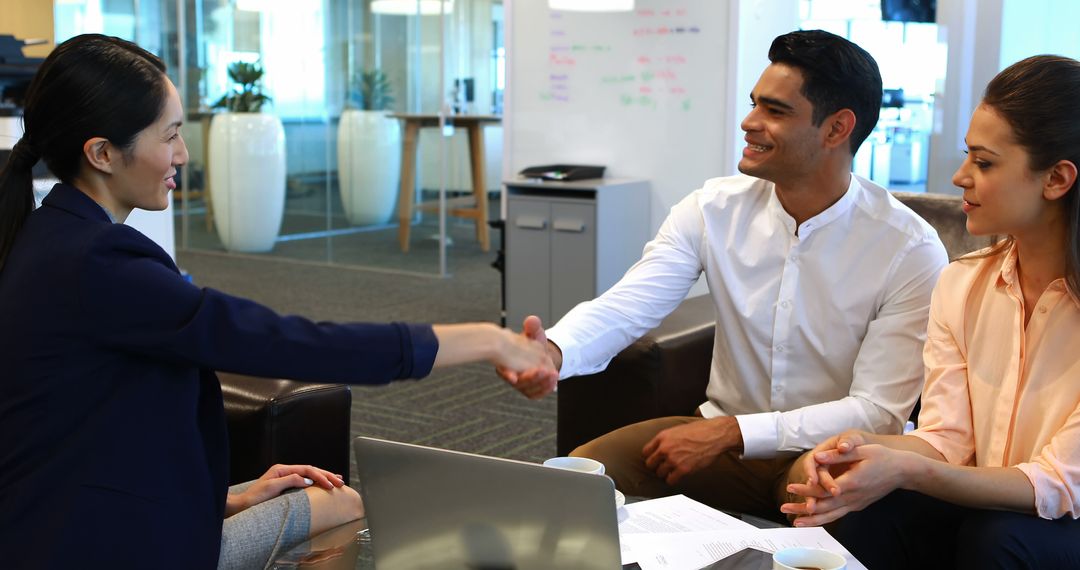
(349, 547)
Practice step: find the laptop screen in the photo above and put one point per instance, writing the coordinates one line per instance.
(434, 508)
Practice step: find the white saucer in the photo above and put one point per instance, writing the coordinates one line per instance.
(620, 499)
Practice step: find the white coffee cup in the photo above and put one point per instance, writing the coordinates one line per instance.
(801, 558)
(579, 464)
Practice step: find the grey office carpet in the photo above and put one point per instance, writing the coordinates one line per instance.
(467, 408)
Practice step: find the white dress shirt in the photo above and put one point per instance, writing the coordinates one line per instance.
(816, 333)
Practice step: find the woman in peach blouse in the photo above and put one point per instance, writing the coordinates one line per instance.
(991, 479)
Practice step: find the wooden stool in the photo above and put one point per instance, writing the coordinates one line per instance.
(475, 208)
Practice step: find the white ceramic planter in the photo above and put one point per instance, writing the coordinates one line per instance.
(369, 165)
(247, 179)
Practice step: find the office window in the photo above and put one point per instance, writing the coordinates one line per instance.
(315, 55)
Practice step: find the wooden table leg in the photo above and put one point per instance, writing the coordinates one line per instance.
(408, 173)
(207, 201)
(476, 159)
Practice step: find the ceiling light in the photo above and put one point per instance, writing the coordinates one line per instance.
(592, 5)
(411, 7)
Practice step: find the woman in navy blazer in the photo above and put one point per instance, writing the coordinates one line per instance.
(112, 435)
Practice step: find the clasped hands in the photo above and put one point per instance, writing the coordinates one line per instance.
(845, 473)
(535, 372)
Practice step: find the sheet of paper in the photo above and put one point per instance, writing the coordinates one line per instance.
(675, 514)
(694, 550)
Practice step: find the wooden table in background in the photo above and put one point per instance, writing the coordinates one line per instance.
(474, 125)
(204, 118)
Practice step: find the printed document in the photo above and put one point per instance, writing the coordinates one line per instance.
(679, 533)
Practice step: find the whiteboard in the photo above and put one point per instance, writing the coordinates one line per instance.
(643, 93)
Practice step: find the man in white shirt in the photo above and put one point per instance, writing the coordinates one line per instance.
(822, 286)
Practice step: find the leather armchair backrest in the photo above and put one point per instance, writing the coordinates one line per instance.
(283, 421)
(943, 212)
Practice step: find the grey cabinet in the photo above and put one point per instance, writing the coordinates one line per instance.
(567, 242)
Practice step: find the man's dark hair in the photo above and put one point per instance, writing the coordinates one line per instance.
(837, 74)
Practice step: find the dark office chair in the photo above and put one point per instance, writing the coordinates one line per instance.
(283, 421)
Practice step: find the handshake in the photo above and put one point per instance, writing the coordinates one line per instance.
(528, 362)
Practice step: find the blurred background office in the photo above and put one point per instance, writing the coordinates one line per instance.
(335, 69)
(285, 205)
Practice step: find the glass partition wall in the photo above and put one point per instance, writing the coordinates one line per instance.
(316, 174)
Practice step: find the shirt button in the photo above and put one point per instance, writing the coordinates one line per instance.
(793, 257)
(780, 348)
(1042, 310)
(785, 304)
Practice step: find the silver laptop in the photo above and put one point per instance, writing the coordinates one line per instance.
(434, 508)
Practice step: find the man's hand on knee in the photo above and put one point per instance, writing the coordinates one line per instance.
(681, 450)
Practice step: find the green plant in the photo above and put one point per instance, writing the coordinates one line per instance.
(371, 91)
(248, 98)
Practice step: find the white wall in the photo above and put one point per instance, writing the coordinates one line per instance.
(157, 226)
(1032, 27)
(587, 107)
(984, 37)
(755, 24)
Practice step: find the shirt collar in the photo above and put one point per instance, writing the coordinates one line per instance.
(1007, 276)
(1007, 271)
(75, 201)
(826, 216)
(1072, 295)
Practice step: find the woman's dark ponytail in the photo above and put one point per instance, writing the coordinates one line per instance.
(89, 86)
(16, 194)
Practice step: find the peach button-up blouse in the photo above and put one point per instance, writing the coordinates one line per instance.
(997, 393)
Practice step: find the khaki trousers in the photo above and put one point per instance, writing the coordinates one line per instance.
(752, 486)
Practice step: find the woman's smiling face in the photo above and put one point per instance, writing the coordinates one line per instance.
(145, 175)
(1002, 195)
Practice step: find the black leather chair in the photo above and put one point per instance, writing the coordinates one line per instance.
(665, 372)
(283, 421)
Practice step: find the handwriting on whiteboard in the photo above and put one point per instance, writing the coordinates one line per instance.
(642, 67)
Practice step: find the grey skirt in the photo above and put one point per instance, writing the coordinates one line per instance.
(254, 537)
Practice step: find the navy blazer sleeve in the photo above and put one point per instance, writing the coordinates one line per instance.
(134, 300)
